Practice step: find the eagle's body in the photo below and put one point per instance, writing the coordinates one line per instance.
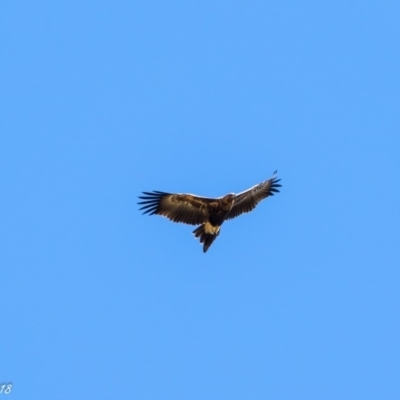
(207, 212)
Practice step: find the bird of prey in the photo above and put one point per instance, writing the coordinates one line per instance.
(207, 212)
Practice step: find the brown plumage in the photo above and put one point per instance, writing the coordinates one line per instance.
(207, 212)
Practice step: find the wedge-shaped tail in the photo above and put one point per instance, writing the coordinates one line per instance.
(205, 238)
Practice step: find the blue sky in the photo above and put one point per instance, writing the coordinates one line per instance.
(103, 100)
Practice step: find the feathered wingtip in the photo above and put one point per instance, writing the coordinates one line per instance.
(275, 183)
(152, 201)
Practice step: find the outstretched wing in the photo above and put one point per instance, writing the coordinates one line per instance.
(185, 208)
(247, 200)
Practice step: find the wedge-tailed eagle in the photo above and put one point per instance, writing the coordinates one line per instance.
(204, 211)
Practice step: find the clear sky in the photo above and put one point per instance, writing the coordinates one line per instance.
(299, 299)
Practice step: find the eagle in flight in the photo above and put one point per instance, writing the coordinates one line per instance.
(204, 211)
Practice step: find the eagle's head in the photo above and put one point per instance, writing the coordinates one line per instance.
(227, 201)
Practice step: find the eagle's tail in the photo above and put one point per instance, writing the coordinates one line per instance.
(206, 238)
